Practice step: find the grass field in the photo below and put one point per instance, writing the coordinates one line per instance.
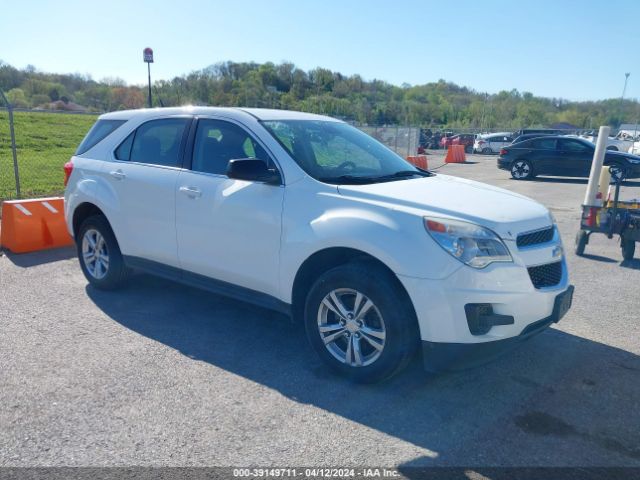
(45, 142)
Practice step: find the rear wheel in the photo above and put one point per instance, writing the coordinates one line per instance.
(487, 150)
(360, 322)
(99, 254)
(582, 238)
(628, 246)
(522, 170)
(468, 149)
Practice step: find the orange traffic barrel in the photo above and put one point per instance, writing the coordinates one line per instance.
(419, 161)
(455, 154)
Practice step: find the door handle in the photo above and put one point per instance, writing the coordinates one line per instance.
(193, 192)
(117, 174)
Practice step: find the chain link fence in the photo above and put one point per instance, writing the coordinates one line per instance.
(45, 141)
(402, 140)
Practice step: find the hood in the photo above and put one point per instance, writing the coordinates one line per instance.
(502, 211)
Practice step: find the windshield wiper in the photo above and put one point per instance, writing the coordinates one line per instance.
(403, 174)
(356, 179)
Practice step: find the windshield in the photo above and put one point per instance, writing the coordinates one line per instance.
(334, 152)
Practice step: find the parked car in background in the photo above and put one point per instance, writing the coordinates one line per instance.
(465, 139)
(446, 140)
(539, 131)
(491, 143)
(309, 216)
(634, 149)
(562, 156)
(528, 136)
(620, 143)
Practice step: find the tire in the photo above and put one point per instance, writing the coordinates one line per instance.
(346, 342)
(628, 247)
(107, 270)
(521, 170)
(468, 149)
(582, 238)
(487, 151)
(618, 173)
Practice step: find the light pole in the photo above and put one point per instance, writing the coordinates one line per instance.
(624, 90)
(147, 56)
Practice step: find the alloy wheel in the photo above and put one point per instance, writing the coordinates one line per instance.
(520, 170)
(95, 254)
(351, 327)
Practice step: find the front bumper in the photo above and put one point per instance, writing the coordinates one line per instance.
(439, 356)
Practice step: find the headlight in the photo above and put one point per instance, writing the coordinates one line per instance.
(472, 244)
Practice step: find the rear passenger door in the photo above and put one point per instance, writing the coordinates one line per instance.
(544, 156)
(143, 175)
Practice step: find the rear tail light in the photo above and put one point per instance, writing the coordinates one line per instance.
(68, 168)
(503, 151)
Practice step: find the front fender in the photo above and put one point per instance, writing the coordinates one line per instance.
(396, 238)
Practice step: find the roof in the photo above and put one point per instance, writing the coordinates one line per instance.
(564, 126)
(232, 112)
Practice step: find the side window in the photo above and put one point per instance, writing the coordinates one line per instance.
(544, 143)
(572, 146)
(100, 130)
(123, 152)
(156, 142)
(217, 142)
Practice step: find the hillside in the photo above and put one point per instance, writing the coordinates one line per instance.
(374, 102)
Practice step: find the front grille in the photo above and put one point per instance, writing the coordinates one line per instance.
(534, 238)
(548, 275)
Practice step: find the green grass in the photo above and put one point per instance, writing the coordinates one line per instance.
(45, 142)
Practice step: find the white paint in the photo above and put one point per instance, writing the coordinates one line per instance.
(50, 207)
(22, 209)
(257, 236)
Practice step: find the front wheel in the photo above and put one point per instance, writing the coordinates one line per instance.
(582, 238)
(521, 170)
(628, 246)
(618, 173)
(487, 151)
(360, 322)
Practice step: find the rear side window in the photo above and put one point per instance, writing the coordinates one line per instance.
(156, 142)
(100, 130)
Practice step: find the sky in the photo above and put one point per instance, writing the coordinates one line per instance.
(578, 50)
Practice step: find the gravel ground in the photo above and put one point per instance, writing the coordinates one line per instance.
(160, 374)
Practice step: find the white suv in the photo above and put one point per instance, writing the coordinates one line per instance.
(491, 143)
(309, 216)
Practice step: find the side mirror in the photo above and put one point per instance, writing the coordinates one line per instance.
(253, 170)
